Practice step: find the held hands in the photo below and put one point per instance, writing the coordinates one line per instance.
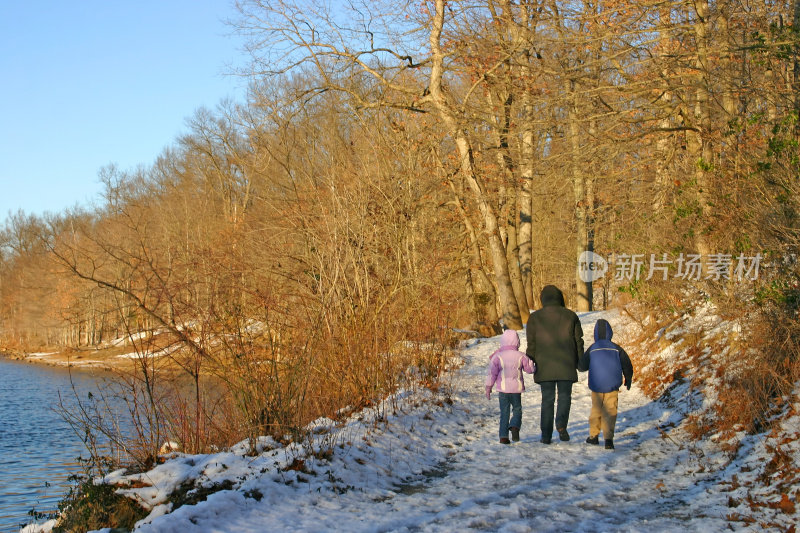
(628, 385)
(488, 393)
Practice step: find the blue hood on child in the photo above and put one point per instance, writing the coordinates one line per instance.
(602, 330)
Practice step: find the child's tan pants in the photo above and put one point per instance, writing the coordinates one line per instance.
(604, 414)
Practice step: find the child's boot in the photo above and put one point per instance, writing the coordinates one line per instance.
(609, 444)
(593, 440)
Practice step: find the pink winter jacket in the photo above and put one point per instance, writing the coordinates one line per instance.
(506, 365)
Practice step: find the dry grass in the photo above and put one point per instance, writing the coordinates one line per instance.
(751, 399)
(749, 374)
(270, 382)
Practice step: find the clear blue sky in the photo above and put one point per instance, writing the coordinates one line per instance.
(86, 83)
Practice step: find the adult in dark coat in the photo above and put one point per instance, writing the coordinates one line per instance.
(555, 343)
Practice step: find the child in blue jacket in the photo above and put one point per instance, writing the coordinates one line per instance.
(607, 364)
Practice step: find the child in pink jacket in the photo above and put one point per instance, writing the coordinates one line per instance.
(505, 371)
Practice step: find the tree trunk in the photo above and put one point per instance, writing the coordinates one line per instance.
(512, 258)
(517, 22)
(508, 302)
(526, 205)
(701, 147)
(796, 68)
(508, 197)
(579, 188)
(664, 143)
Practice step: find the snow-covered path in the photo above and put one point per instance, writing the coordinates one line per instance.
(442, 469)
(566, 486)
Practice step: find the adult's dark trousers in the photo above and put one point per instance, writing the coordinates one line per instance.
(549, 388)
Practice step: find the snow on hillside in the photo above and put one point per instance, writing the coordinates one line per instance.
(431, 462)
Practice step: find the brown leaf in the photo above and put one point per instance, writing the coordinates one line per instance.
(786, 505)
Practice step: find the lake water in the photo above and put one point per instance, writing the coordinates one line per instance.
(37, 447)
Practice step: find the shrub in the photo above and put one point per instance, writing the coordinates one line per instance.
(89, 506)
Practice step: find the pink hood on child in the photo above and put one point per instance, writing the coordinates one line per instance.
(509, 339)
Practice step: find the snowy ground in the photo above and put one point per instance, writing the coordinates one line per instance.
(413, 465)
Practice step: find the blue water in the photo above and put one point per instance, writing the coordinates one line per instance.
(38, 449)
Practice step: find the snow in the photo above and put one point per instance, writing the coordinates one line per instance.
(133, 337)
(47, 525)
(425, 461)
(139, 354)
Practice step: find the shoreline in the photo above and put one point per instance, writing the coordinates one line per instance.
(68, 359)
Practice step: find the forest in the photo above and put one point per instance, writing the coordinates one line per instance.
(404, 171)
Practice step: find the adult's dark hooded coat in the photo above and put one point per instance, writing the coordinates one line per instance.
(555, 339)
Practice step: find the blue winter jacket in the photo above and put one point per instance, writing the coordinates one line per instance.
(606, 361)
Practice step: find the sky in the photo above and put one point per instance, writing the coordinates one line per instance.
(90, 83)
